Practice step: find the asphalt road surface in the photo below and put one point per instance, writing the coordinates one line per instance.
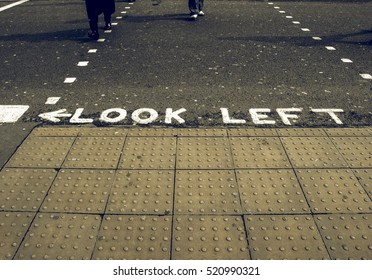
(246, 63)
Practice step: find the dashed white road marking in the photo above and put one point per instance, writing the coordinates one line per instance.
(52, 100)
(101, 40)
(127, 8)
(83, 63)
(366, 76)
(295, 22)
(282, 12)
(92, 51)
(317, 38)
(124, 12)
(11, 113)
(107, 31)
(288, 17)
(346, 60)
(12, 5)
(330, 48)
(69, 80)
(114, 23)
(119, 17)
(305, 29)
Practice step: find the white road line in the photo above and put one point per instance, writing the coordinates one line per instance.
(123, 12)
(101, 40)
(295, 22)
(282, 12)
(119, 17)
(330, 48)
(317, 38)
(13, 5)
(92, 51)
(288, 17)
(346, 60)
(83, 63)
(366, 76)
(52, 100)
(69, 80)
(107, 31)
(305, 29)
(114, 23)
(11, 113)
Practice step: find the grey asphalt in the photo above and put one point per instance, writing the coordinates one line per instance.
(241, 55)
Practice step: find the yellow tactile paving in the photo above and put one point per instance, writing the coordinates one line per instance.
(84, 192)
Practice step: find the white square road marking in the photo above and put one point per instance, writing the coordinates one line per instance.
(366, 76)
(52, 100)
(346, 60)
(11, 113)
(83, 63)
(69, 80)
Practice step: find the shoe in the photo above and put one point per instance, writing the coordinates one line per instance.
(201, 13)
(93, 34)
(193, 16)
(107, 26)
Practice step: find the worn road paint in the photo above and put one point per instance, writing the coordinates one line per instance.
(11, 113)
(330, 112)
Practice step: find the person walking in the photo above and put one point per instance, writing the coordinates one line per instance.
(196, 8)
(94, 9)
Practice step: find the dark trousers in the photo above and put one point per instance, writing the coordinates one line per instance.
(196, 6)
(97, 7)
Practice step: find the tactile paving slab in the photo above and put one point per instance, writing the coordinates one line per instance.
(301, 132)
(258, 152)
(347, 236)
(134, 238)
(95, 152)
(204, 153)
(314, 152)
(209, 237)
(103, 132)
(13, 227)
(42, 152)
(151, 132)
(149, 153)
(24, 189)
(271, 191)
(79, 191)
(142, 192)
(365, 179)
(55, 131)
(349, 131)
(206, 192)
(252, 132)
(284, 237)
(60, 237)
(202, 132)
(357, 151)
(334, 191)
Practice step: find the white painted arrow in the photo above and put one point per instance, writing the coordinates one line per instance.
(55, 115)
